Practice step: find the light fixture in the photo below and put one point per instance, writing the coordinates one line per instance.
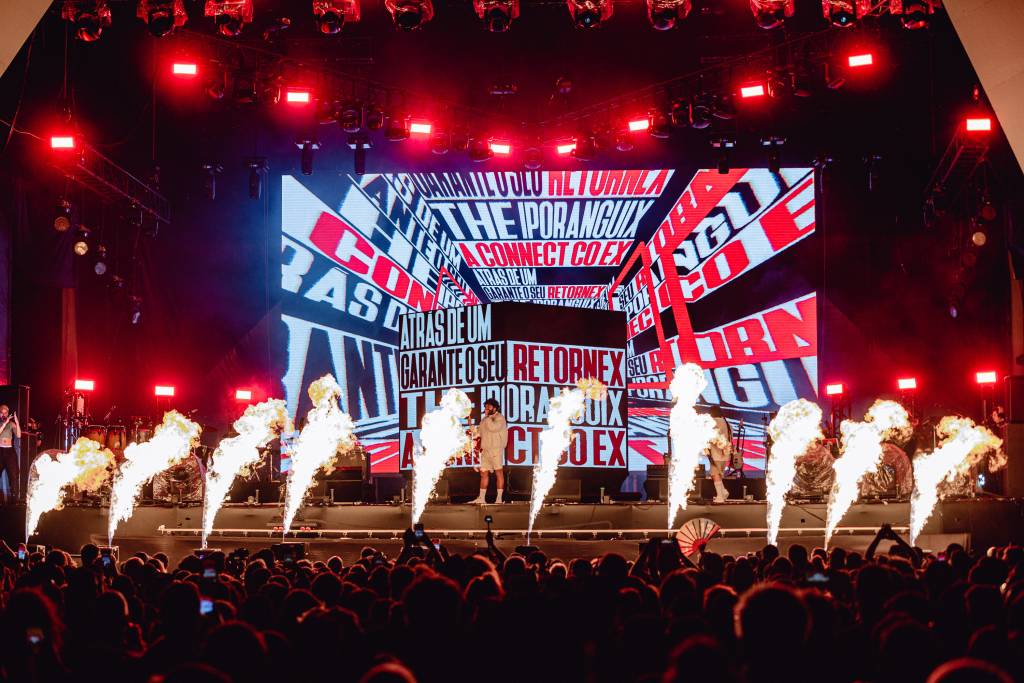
(701, 112)
(660, 124)
(533, 157)
(440, 142)
(845, 13)
(751, 90)
(307, 148)
(332, 15)
(359, 143)
(85, 385)
(88, 17)
(978, 124)
(397, 128)
(860, 60)
(638, 124)
(906, 383)
(243, 394)
(565, 147)
(135, 310)
(162, 17)
(500, 147)
(979, 238)
(664, 14)
(773, 146)
(585, 148)
(410, 15)
(62, 142)
(229, 16)
(985, 377)
(299, 97)
(497, 15)
(589, 13)
(210, 172)
(480, 150)
(374, 117)
(834, 389)
(62, 221)
(257, 167)
(184, 69)
(100, 267)
(420, 128)
(624, 142)
(771, 14)
(723, 145)
(913, 14)
(81, 245)
(163, 391)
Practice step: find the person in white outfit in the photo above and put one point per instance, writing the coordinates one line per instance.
(493, 438)
(719, 452)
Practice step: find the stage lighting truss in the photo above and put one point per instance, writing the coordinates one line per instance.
(845, 13)
(162, 17)
(332, 15)
(89, 17)
(664, 14)
(497, 15)
(410, 15)
(771, 14)
(589, 13)
(913, 14)
(230, 16)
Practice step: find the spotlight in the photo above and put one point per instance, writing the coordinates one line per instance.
(497, 15)
(663, 14)
(913, 14)
(374, 117)
(773, 145)
(116, 283)
(660, 125)
(257, 167)
(350, 117)
(229, 16)
(85, 385)
(100, 267)
(723, 145)
(565, 147)
(135, 310)
(834, 389)
(771, 14)
(359, 143)
(243, 394)
(624, 142)
(410, 15)
(860, 60)
(326, 112)
(81, 245)
(216, 87)
(299, 97)
(906, 383)
(184, 69)
(62, 221)
(440, 142)
(589, 13)
(845, 13)
(89, 18)
(420, 128)
(701, 112)
(210, 172)
(245, 89)
(500, 147)
(679, 113)
(979, 238)
(163, 391)
(480, 150)
(986, 377)
(585, 148)
(162, 16)
(751, 90)
(62, 142)
(332, 15)
(978, 124)
(308, 147)
(636, 125)
(533, 157)
(397, 128)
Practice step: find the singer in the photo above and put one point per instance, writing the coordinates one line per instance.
(9, 431)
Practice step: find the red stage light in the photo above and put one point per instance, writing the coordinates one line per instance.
(298, 96)
(501, 147)
(62, 142)
(978, 124)
(85, 385)
(752, 90)
(243, 394)
(833, 389)
(987, 377)
(420, 128)
(637, 125)
(863, 59)
(565, 147)
(185, 69)
(906, 383)
(165, 391)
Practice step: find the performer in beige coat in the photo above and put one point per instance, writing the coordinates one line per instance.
(493, 439)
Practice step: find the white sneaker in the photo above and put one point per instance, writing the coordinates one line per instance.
(479, 500)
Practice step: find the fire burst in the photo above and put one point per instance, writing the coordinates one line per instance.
(258, 425)
(442, 437)
(171, 444)
(328, 430)
(862, 451)
(87, 465)
(964, 444)
(554, 440)
(690, 433)
(794, 429)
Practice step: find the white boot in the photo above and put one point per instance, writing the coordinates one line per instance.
(479, 500)
(721, 493)
(498, 499)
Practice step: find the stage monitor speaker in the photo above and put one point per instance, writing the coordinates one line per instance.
(1015, 460)
(656, 488)
(1014, 387)
(565, 490)
(345, 490)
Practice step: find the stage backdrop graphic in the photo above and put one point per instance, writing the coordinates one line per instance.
(717, 270)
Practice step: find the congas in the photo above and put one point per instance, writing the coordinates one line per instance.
(141, 430)
(117, 437)
(97, 433)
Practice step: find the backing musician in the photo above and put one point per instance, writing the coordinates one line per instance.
(10, 430)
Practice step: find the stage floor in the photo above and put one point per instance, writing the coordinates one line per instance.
(566, 531)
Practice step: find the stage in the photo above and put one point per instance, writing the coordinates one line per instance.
(565, 531)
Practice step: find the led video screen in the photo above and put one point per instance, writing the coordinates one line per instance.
(719, 269)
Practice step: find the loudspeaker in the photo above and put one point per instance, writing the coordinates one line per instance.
(345, 490)
(565, 490)
(656, 488)
(1015, 460)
